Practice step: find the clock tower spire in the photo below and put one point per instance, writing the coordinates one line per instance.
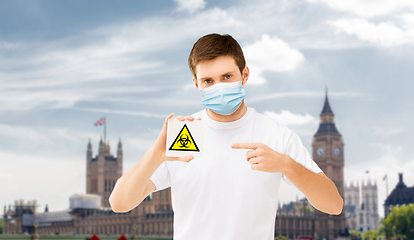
(328, 148)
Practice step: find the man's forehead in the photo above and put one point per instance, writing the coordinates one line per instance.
(216, 67)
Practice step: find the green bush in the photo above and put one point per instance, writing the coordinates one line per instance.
(371, 235)
(400, 223)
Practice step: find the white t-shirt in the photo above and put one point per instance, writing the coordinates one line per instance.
(219, 196)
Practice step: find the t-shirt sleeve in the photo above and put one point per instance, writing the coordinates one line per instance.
(298, 152)
(161, 177)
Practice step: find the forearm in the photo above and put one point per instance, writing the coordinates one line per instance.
(129, 189)
(318, 189)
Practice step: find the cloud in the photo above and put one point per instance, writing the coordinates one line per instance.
(387, 150)
(270, 54)
(307, 94)
(288, 118)
(40, 135)
(387, 131)
(6, 176)
(60, 73)
(385, 34)
(304, 125)
(40, 177)
(123, 112)
(190, 6)
(368, 8)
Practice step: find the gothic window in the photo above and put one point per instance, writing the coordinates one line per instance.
(106, 185)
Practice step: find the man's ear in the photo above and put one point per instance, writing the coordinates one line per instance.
(245, 74)
(195, 82)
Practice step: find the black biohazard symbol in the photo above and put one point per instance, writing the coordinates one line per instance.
(184, 141)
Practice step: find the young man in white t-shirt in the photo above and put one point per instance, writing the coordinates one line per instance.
(231, 191)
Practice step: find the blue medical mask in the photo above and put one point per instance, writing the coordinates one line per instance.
(223, 98)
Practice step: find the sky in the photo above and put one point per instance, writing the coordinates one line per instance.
(66, 64)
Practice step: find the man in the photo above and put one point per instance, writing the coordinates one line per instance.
(231, 192)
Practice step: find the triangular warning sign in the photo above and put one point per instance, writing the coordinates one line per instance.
(184, 141)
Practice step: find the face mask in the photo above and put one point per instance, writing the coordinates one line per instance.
(223, 98)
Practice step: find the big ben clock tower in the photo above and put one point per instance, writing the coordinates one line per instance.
(328, 153)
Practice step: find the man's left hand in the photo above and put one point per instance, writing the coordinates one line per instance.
(263, 158)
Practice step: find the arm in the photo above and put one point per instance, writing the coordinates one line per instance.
(318, 188)
(135, 185)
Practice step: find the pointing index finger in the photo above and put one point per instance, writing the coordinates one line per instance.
(245, 145)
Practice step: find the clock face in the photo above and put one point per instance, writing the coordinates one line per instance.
(320, 152)
(337, 151)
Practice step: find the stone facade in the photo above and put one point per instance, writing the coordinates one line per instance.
(362, 215)
(103, 170)
(295, 219)
(151, 217)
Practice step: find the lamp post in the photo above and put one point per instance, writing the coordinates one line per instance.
(35, 236)
(134, 237)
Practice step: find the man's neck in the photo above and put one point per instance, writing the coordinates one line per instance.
(239, 113)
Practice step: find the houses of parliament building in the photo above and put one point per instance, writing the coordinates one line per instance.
(91, 213)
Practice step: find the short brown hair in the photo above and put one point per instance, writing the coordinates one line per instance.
(214, 45)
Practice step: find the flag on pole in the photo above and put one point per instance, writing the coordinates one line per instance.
(383, 179)
(100, 122)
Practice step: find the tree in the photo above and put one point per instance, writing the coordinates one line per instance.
(280, 237)
(400, 222)
(1, 226)
(371, 235)
(355, 235)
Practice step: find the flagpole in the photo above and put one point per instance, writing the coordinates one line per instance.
(105, 129)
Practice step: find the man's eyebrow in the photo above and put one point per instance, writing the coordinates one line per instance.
(224, 74)
(204, 78)
(227, 73)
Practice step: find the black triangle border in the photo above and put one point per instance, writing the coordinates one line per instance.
(185, 126)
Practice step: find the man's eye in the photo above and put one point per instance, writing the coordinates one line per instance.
(207, 81)
(228, 76)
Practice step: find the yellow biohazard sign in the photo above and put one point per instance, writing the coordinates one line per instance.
(184, 141)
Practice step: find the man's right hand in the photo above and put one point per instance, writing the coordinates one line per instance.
(135, 184)
(159, 145)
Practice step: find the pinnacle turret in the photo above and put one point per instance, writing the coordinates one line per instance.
(119, 144)
(327, 123)
(326, 110)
